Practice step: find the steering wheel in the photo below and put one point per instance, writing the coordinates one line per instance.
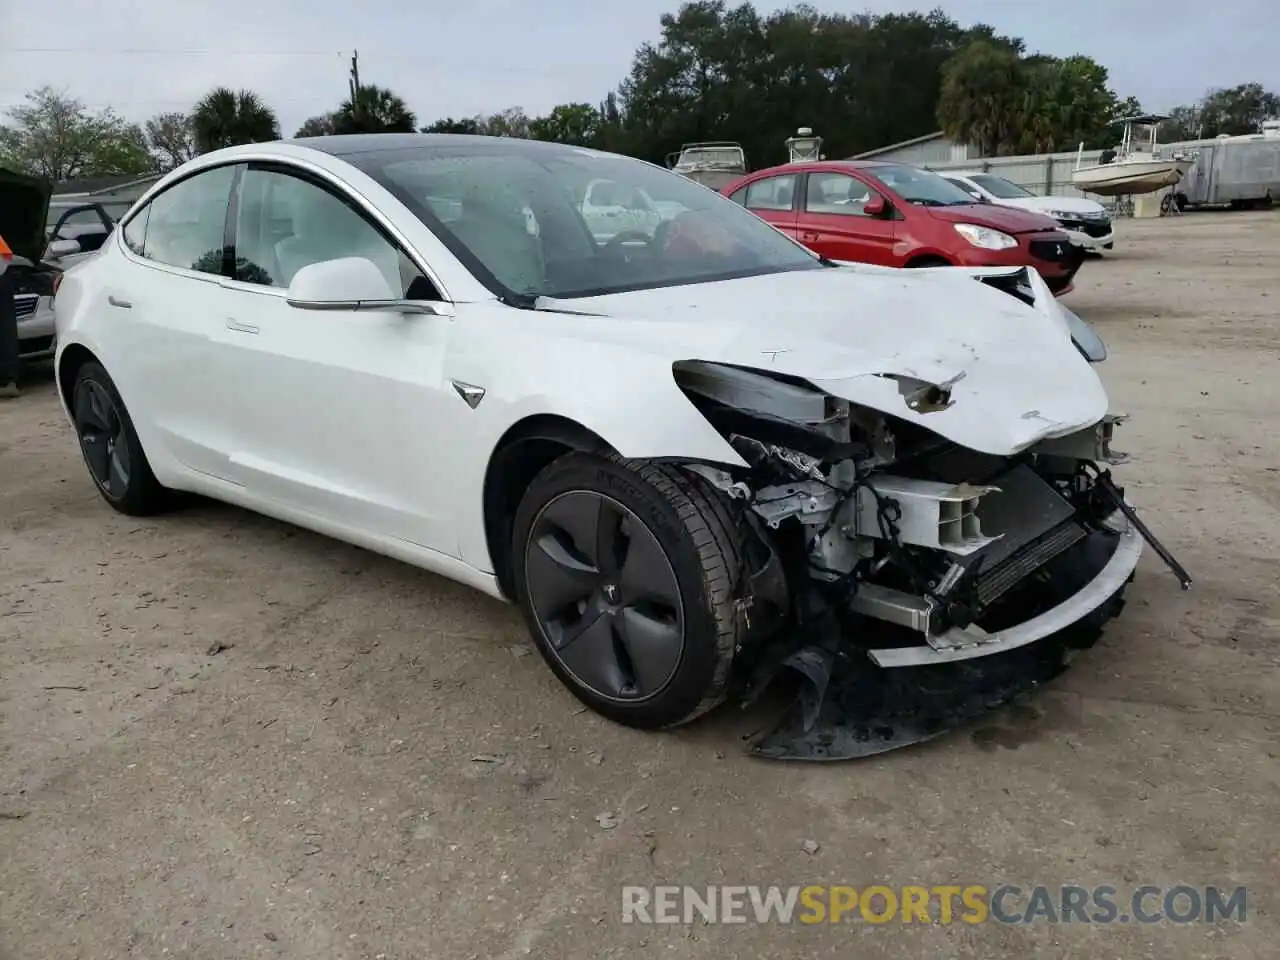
(617, 242)
(629, 236)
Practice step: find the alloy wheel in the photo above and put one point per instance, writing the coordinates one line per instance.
(102, 438)
(605, 596)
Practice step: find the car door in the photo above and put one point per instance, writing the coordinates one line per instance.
(338, 414)
(773, 199)
(87, 224)
(166, 307)
(832, 220)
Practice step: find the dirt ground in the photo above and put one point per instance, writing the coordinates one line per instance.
(378, 766)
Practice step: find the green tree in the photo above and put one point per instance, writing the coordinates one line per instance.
(612, 133)
(1067, 102)
(1002, 103)
(984, 94)
(374, 109)
(55, 136)
(511, 122)
(1238, 110)
(225, 118)
(322, 125)
(729, 73)
(1128, 107)
(469, 125)
(170, 140)
(1184, 123)
(577, 123)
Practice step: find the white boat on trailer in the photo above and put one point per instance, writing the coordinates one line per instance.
(712, 163)
(1136, 167)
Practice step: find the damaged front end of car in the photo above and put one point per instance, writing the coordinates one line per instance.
(911, 583)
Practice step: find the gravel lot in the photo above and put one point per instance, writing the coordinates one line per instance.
(378, 765)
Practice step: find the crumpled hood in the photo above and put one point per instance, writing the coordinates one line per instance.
(1017, 375)
(24, 205)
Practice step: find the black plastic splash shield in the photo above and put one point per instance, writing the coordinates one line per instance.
(860, 710)
(849, 708)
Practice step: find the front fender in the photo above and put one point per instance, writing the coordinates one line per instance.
(629, 400)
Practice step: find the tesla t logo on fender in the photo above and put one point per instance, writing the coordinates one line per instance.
(469, 392)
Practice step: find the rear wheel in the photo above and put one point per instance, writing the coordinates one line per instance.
(110, 445)
(626, 572)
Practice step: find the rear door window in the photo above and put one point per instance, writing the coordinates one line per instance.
(186, 224)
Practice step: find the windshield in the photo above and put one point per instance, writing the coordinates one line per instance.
(1000, 187)
(920, 187)
(537, 220)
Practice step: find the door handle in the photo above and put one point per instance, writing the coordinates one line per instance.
(808, 235)
(239, 326)
(117, 302)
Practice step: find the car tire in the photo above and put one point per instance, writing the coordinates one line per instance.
(110, 446)
(626, 572)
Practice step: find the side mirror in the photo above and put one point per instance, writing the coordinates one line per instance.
(351, 284)
(62, 248)
(977, 196)
(874, 207)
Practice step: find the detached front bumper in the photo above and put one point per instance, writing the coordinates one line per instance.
(854, 704)
(857, 700)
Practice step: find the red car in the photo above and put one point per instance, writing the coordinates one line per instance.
(897, 215)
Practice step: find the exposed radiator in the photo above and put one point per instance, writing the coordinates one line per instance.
(992, 584)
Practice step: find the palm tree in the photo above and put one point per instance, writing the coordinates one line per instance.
(319, 126)
(983, 87)
(225, 118)
(374, 109)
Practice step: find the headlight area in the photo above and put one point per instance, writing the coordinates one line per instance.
(908, 539)
(985, 237)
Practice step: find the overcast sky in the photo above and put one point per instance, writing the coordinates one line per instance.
(464, 57)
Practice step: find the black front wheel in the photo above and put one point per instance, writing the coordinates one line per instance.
(110, 445)
(626, 572)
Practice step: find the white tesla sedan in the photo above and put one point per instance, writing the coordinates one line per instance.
(682, 457)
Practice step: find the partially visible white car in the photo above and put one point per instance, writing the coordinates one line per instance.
(1086, 222)
(683, 452)
(34, 264)
(612, 209)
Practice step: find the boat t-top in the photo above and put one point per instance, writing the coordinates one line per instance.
(804, 147)
(1136, 166)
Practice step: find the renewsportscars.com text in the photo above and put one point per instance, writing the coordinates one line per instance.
(943, 904)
